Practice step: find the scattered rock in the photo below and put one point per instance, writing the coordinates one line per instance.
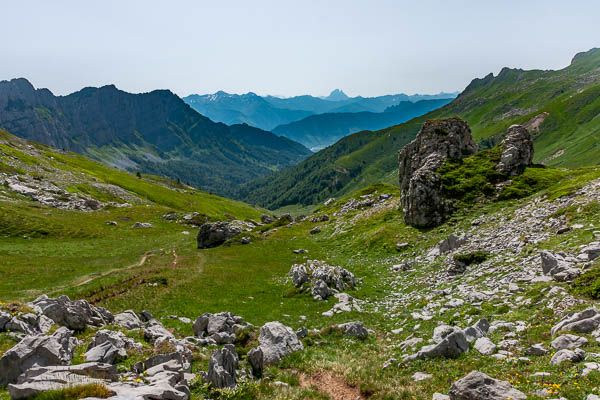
(485, 346)
(581, 322)
(568, 341)
(324, 279)
(451, 346)
(56, 349)
(214, 234)
(356, 329)
(536, 350)
(129, 320)
(142, 225)
(478, 386)
(315, 230)
(563, 355)
(75, 315)
(277, 341)
(219, 328)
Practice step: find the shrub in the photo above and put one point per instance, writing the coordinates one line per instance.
(588, 284)
(473, 258)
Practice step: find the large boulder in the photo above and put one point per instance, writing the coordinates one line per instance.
(478, 386)
(222, 367)
(568, 341)
(214, 234)
(423, 203)
(277, 341)
(75, 315)
(517, 151)
(56, 349)
(41, 379)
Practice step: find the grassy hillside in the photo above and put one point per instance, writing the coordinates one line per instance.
(114, 267)
(566, 133)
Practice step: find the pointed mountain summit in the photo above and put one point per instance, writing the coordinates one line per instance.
(337, 95)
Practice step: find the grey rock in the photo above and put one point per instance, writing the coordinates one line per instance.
(128, 320)
(221, 327)
(222, 367)
(440, 396)
(517, 151)
(452, 346)
(214, 234)
(582, 322)
(563, 355)
(265, 219)
(559, 266)
(485, 346)
(356, 329)
(421, 376)
(75, 315)
(256, 360)
(536, 350)
(142, 225)
(277, 341)
(56, 349)
(423, 203)
(315, 230)
(40, 379)
(109, 347)
(568, 341)
(154, 331)
(302, 332)
(478, 386)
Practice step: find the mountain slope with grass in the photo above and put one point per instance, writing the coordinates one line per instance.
(319, 131)
(561, 109)
(406, 292)
(152, 132)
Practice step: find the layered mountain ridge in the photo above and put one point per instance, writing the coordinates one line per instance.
(153, 132)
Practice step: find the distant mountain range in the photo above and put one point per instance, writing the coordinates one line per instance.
(319, 131)
(269, 112)
(561, 108)
(152, 132)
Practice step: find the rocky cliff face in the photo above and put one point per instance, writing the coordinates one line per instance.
(422, 200)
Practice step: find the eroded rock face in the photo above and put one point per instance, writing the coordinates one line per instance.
(477, 385)
(517, 151)
(214, 234)
(421, 195)
(42, 351)
(222, 367)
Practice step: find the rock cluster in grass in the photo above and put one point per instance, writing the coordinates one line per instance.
(42, 361)
(322, 279)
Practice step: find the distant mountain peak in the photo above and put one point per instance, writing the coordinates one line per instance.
(337, 95)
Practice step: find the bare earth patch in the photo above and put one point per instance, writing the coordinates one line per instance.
(334, 386)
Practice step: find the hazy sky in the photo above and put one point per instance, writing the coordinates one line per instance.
(287, 48)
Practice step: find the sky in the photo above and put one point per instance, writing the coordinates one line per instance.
(287, 48)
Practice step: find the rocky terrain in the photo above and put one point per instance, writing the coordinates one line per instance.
(457, 297)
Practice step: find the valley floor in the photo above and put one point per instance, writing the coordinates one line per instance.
(405, 290)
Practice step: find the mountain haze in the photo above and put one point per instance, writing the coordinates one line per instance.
(268, 112)
(322, 130)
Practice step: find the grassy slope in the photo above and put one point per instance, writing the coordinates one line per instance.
(192, 282)
(570, 96)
